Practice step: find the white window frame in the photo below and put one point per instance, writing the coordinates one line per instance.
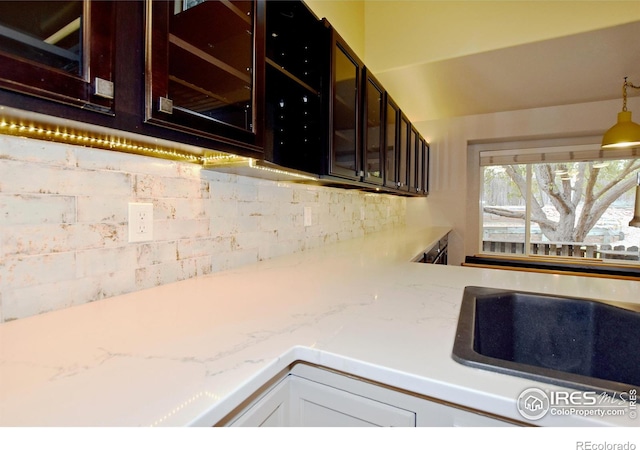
(570, 149)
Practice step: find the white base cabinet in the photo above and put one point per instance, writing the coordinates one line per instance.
(309, 396)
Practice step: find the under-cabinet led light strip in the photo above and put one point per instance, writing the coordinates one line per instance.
(65, 135)
(215, 160)
(253, 164)
(70, 136)
(212, 158)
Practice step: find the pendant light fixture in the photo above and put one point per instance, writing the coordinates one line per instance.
(625, 133)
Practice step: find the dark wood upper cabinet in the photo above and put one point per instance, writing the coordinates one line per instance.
(297, 68)
(373, 130)
(205, 68)
(59, 50)
(260, 79)
(346, 71)
(373, 143)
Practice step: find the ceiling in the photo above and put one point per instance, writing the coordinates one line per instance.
(579, 68)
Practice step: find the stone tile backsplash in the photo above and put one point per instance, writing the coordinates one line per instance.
(63, 222)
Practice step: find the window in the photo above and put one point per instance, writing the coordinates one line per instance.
(563, 201)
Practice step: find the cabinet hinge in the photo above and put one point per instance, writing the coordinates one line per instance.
(103, 88)
(165, 105)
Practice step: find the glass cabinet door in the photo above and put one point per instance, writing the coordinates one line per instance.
(424, 166)
(420, 165)
(59, 50)
(346, 69)
(403, 154)
(373, 120)
(201, 66)
(412, 156)
(391, 145)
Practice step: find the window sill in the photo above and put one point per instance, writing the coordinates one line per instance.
(567, 266)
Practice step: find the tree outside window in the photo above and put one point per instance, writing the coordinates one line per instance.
(577, 208)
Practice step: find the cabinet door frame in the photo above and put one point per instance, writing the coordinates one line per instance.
(35, 79)
(413, 151)
(157, 82)
(404, 124)
(424, 148)
(391, 174)
(368, 77)
(339, 44)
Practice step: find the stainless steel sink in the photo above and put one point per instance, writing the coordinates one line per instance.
(573, 342)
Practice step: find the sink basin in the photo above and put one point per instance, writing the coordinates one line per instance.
(573, 342)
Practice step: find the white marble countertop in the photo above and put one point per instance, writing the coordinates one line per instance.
(187, 353)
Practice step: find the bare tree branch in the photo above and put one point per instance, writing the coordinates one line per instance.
(547, 184)
(566, 198)
(630, 166)
(504, 212)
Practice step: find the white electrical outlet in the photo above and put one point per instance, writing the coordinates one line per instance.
(140, 222)
(307, 216)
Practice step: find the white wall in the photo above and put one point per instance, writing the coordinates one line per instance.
(454, 191)
(444, 30)
(63, 222)
(346, 16)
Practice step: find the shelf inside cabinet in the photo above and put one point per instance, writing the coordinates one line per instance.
(292, 77)
(294, 122)
(208, 71)
(208, 58)
(234, 7)
(296, 41)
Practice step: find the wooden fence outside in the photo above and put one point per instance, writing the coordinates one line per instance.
(566, 249)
